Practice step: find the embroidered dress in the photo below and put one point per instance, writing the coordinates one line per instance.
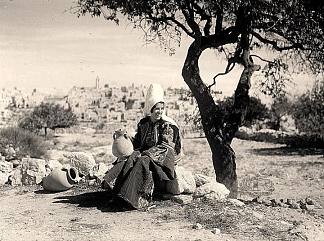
(156, 150)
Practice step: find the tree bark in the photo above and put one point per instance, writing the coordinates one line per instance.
(212, 121)
(218, 134)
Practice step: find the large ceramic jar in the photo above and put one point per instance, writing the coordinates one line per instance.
(122, 145)
(61, 179)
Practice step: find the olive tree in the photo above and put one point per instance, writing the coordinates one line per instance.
(238, 29)
(48, 116)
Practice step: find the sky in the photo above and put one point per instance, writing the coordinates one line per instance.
(44, 46)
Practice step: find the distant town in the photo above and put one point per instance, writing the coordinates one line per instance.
(98, 104)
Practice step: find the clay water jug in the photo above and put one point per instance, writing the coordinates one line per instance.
(122, 145)
(61, 179)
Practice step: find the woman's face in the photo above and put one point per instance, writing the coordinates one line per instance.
(157, 112)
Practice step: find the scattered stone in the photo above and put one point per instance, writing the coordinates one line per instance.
(33, 170)
(275, 203)
(267, 202)
(182, 199)
(256, 200)
(216, 231)
(309, 201)
(197, 226)
(91, 182)
(284, 205)
(212, 190)
(5, 170)
(15, 178)
(82, 161)
(236, 202)
(290, 201)
(3, 178)
(201, 179)
(6, 167)
(294, 205)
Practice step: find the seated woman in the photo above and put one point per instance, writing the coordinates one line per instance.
(157, 147)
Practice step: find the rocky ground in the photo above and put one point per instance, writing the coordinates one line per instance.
(269, 174)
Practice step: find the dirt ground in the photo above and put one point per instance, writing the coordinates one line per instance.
(84, 212)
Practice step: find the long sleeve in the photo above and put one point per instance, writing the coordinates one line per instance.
(170, 137)
(137, 138)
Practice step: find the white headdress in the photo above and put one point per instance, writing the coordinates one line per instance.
(154, 95)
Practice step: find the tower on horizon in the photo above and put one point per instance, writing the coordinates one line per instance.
(97, 82)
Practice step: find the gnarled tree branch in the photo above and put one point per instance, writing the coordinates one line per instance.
(173, 20)
(274, 44)
(189, 15)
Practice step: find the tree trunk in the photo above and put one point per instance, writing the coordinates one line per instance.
(212, 121)
(218, 134)
(224, 156)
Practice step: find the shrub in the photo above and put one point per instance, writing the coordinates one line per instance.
(280, 107)
(255, 111)
(48, 116)
(308, 110)
(24, 142)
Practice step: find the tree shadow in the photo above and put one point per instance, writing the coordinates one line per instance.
(104, 201)
(287, 151)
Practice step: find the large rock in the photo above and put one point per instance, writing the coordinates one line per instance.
(201, 179)
(15, 178)
(33, 170)
(2, 158)
(213, 191)
(82, 161)
(3, 178)
(5, 169)
(183, 183)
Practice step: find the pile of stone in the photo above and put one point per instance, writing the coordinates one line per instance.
(196, 186)
(305, 204)
(31, 171)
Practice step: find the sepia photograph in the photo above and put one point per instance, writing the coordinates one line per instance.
(131, 120)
